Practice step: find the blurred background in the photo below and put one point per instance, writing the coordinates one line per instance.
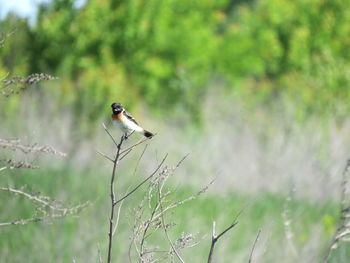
(255, 91)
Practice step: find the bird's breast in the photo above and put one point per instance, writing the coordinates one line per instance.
(117, 117)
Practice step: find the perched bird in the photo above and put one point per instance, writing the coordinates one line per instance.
(123, 120)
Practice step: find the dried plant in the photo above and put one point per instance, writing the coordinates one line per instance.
(15, 144)
(342, 233)
(16, 84)
(150, 214)
(11, 164)
(119, 155)
(215, 237)
(150, 220)
(46, 207)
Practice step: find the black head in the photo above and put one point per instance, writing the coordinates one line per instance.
(117, 107)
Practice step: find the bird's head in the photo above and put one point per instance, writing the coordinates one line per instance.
(117, 107)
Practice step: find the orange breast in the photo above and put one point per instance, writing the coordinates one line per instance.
(117, 117)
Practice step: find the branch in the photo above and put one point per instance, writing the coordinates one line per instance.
(104, 155)
(14, 85)
(136, 144)
(34, 148)
(215, 238)
(22, 221)
(43, 202)
(144, 181)
(38, 199)
(165, 227)
(255, 241)
(112, 194)
(110, 135)
(181, 202)
(16, 165)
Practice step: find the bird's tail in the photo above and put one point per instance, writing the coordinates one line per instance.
(148, 134)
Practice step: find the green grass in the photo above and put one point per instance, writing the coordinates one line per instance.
(78, 237)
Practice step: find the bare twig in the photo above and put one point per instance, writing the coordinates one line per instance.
(181, 202)
(39, 199)
(215, 238)
(156, 221)
(16, 84)
(99, 257)
(133, 146)
(112, 195)
(255, 241)
(56, 209)
(144, 181)
(22, 221)
(10, 164)
(109, 134)
(15, 144)
(104, 155)
(118, 216)
(139, 160)
(120, 154)
(165, 228)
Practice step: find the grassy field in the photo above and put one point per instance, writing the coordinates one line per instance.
(283, 178)
(78, 237)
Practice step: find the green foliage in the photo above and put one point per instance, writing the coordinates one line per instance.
(160, 52)
(296, 50)
(168, 53)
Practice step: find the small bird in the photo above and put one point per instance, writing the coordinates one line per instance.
(124, 121)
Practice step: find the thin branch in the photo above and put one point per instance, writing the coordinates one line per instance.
(125, 154)
(62, 212)
(343, 234)
(147, 225)
(139, 160)
(165, 228)
(109, 134)
(38, 199)
(112, 195)
(104, 155)
(181, 202)
(128, 150)
(99, 254)
(133, 146)
(14, 85)
(16, 165)
(15, 144)
(255, 241)
(215, 238)
(22, 221)
(118, 216)
(144, 181)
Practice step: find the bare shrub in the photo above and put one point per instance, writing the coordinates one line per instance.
(46, 208)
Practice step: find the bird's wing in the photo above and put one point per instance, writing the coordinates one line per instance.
(130, 117)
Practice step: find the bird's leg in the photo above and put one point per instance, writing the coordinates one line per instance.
(126, 135)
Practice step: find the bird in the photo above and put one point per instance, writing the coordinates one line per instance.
(126, 122)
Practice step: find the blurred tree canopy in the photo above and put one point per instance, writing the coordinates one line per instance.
(166, 52)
